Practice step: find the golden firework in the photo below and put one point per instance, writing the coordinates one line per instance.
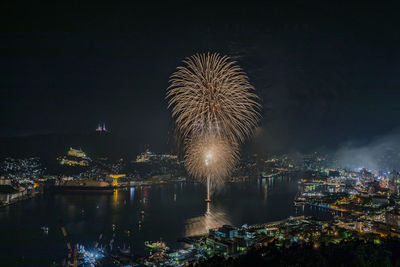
(210, 157)
(212, 95)
(215, 109)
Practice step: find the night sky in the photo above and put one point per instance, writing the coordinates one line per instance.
(327, 74)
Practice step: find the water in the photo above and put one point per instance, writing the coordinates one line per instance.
(170, 211)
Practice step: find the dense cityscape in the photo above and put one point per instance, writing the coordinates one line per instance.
(333, 206)
(199, 134)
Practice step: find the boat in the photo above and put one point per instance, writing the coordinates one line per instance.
(84, 185)
(159, 245)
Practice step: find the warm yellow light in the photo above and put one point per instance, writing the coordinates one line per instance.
(116, 176)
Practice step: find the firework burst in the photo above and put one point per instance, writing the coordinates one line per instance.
(212, 95)
(210, 157)
(215, 109)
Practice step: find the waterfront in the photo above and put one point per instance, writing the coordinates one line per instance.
(170, 211)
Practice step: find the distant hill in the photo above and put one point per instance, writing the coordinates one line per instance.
(49, 146)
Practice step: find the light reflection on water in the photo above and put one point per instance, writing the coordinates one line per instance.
(212, 218)
(147, 213)
(132, 193)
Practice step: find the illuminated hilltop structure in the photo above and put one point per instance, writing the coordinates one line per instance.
(76, 153)
(101, 128)
(74, 157)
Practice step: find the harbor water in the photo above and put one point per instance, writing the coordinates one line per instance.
(134, 215)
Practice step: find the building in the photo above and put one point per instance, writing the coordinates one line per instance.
(74, 157)
(221, 246)
(101, 128)
(146, 156)
(227, 231)
(76, 153)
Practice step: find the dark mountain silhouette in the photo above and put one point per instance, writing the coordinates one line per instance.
(50, 146)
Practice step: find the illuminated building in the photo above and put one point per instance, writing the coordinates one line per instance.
(75, 157)
(146, 156)
(149, 156)
(224, 247)
(76, 153)
(227, 231)
(73, 162)
(168, 156)
(101, 128)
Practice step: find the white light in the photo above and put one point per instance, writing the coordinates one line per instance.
(208, 158)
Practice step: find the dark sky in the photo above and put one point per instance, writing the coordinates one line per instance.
(326, 73)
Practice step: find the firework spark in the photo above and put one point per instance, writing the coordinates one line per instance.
(210, 157)
(212, 95)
